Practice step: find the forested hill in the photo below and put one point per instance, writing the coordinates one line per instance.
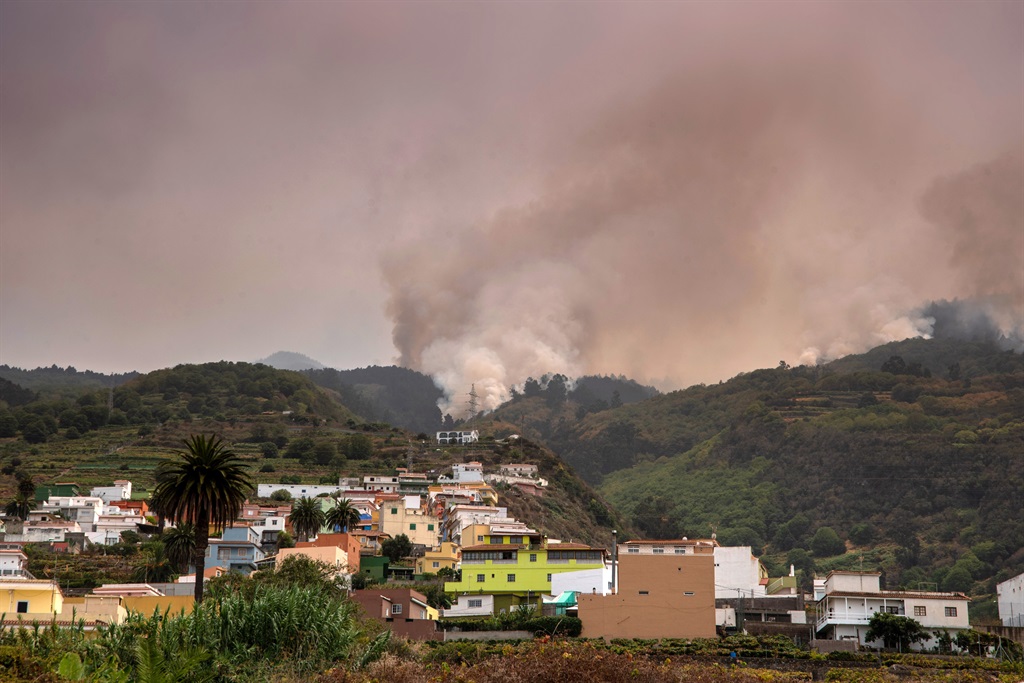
(923, 462)
(398, 396)
(58, 381)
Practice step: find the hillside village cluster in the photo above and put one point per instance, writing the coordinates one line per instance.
(680, 588)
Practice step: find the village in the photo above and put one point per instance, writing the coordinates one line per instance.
(451, 526)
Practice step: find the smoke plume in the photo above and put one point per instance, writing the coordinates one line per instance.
(774, 195)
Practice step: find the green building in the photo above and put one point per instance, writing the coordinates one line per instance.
(515, 564)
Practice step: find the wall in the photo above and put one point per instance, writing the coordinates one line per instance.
(737, 571)
(652, 601)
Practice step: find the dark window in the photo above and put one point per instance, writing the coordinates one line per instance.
(480, 578)
(951, 611)
(22, 606)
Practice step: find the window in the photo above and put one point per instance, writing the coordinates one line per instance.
(892, 610)
(511, 578)
(688, 594)
(22, 606)
(479, 539)
(412, 527)
(951, 611)
(633, 550)
(515, 539)
(549, 578)
(659, 551)
(496, 540)
(644, 593)
(394, 511)
(480, 578)
(436, 565)
(533, 557)
(476, 602)
(682, 551)
(920, 611)
(396, 609)
(430, 527)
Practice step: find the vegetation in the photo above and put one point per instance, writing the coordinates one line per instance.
(205, 486)
(307, 517)
(895, 631)
(342, 516)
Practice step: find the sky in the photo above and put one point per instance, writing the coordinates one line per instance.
(677, 192)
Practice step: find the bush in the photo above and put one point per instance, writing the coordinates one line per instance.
(826, 543)
(555, 626)
(269, 468)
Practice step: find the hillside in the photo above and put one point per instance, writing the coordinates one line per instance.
(56, 381)
(398, 396)
(920, 468)
(318, 441)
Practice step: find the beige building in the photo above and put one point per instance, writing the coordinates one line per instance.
(329, 554)
(660, 595)
(406, 516)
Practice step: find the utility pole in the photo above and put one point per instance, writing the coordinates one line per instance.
(473, 401)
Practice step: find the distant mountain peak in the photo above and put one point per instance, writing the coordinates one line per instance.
(290, 360)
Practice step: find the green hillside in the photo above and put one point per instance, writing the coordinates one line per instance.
(919, 469)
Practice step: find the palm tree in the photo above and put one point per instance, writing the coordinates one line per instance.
(205, 486)
(307, 517)
(156, 567)
(180, 545)
(19, 507)
(343, 515)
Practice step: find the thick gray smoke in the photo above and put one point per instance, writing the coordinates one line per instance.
(775, 195)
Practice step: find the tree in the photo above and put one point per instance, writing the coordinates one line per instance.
(206, 486)
(157, 567)
(281, 496)
(895, 631)
(396, 548)
(896, 365)
(180, 545)
(343, 515)
(307, 517)
(827, 543)
(19, 507)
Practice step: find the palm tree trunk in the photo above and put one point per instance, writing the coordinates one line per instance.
(202, 543)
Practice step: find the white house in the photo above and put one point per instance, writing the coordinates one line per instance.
(852, 598)
(13, 563)
(1010, 598)
(85, 510)
(297, 490)
(468, 605)
(458, 437)
(121, 490)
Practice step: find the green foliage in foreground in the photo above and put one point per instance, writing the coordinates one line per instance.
(231, 636)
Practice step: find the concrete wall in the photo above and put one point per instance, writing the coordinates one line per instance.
(660, 596)
(488, 635)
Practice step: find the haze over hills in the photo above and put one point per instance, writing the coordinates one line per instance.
(291, 360)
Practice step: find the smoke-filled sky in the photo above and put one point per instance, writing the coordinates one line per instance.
(486, 191)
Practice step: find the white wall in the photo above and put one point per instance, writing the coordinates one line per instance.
(1011, 601)
(737, 573)
(584, 581)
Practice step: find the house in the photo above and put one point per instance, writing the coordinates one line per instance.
(328, 554)
(445, 556)
(297, 490)
(238, 549)
(13, 563)
(136, 507)
(661, 593)
(519, 469)
(469, 606)
(121, 490)
(404, 610)
(458, 437)
(27, 601)
(346, 542)
(457, 518)
(85, 510)
(852, 598)
(1010, 599)
(385, 484)
(406, 516)
(515, 564)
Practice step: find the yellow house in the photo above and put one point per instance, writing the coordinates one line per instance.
(445, 556)
(25, 601)
(406, 517)
(31, 599)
